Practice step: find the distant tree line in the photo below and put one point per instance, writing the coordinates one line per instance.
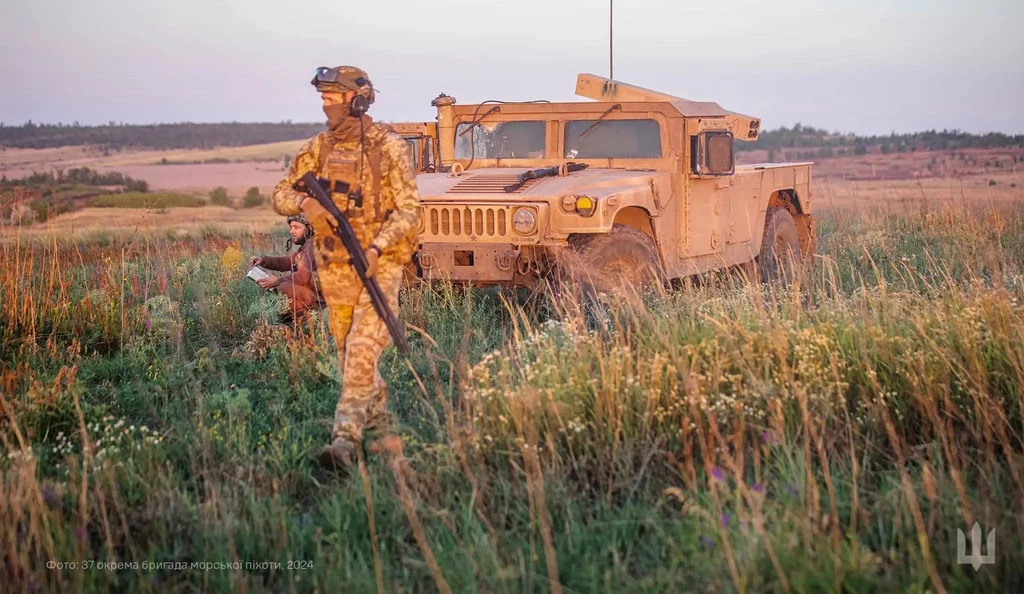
(827, 143)
(79, 176)
(115, 137)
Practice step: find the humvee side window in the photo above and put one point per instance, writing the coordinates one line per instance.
(500, 140)
(712, 153)
(613, 139)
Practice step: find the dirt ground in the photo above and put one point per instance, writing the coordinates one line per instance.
(899, 166)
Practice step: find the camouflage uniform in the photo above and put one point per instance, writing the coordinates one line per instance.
(389, 219)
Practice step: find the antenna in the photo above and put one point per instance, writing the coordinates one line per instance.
(611, 64)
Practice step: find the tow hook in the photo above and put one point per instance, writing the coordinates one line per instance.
(505, 260)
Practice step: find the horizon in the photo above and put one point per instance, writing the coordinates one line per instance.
(314, 123)
(868, 68)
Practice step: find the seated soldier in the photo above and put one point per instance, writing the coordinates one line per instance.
(300, 284)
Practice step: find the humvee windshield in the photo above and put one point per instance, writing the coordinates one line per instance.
(618, 139)
(500, 140)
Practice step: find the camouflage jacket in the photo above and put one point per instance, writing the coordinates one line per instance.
(390, 217)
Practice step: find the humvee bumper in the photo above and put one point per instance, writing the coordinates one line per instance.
(478, 263)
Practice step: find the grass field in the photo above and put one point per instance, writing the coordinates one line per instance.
(833, 435)
(79, 156)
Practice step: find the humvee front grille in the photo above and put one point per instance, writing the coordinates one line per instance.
(490, 183)
(466, 221)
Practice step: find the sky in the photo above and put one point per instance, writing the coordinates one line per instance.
(864, 66)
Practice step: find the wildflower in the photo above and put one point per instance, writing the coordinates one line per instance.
(50, 498)
(758, 488)
(706, 541)
(725, 519)
(717, 474)
(768, 438)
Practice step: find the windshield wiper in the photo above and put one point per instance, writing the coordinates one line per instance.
(599, 120)
(543, 172)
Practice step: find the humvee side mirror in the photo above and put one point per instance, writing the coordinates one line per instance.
(711, 153)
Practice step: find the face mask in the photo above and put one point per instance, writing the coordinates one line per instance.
(336, 114)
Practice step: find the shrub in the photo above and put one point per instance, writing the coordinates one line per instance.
(219, 196)
(252, 198)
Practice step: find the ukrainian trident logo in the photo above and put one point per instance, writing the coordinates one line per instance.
(975, 559)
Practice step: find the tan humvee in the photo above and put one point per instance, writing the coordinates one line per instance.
(660, 194)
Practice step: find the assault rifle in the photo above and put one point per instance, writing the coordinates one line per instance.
(312, 186)
(543, 172)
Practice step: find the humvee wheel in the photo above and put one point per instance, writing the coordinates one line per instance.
(780, 250)
(610, 261)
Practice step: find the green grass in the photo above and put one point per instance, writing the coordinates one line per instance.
(834, 435)
(146, 200)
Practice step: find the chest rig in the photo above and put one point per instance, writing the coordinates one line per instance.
(360, 199)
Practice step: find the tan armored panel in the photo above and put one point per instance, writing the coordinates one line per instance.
(600, 88)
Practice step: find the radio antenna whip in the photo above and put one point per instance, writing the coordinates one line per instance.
(611, 66)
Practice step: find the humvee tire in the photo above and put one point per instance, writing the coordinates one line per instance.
(780, 249)
(623, 257)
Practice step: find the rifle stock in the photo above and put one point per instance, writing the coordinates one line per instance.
(312, 187)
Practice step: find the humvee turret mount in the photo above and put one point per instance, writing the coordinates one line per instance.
(633, 185)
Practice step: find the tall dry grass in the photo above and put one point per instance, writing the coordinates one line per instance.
(832, 435)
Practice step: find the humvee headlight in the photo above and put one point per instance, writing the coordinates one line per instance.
(524, 222)
(585, 206)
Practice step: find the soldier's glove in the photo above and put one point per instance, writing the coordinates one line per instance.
(317, 215)
(372, 260)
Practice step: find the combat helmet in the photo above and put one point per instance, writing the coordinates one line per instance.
(345, 78)
(309, 229)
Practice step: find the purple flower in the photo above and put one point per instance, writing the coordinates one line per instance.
(768, 438)
(80, 533)
(758, 488)
(725, 519)
(717, 474)
(50, 498)
(706, 542)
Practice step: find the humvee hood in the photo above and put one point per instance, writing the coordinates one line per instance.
(489, 184)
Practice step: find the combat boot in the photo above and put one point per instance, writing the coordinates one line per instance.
(339, 456)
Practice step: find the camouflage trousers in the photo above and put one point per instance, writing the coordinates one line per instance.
(360, 336)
